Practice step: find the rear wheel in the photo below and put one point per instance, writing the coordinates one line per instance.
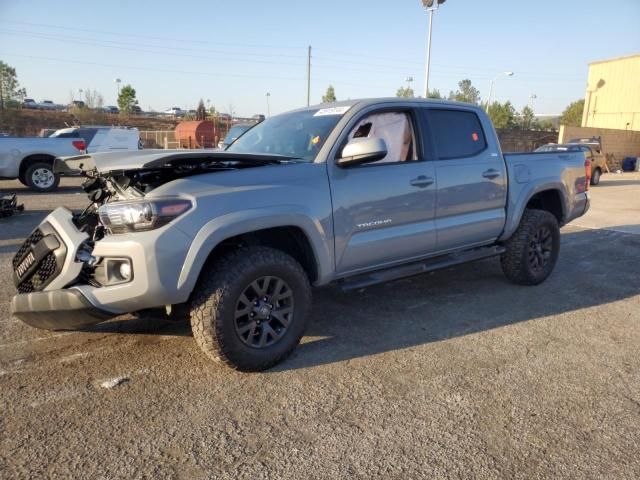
(532, 251)
(595, 176)
(39, 176)
(251, 308)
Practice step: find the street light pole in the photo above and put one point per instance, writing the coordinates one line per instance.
(117, 80)
(429, 5)
(508, 74)
(268, 107)
(408, 80)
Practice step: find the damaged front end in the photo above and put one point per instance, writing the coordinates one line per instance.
(114, 257)
(57, 262)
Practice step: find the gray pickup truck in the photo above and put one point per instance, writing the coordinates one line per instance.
(354, 193)
(30, 159)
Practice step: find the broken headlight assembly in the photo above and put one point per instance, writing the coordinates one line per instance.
(141, 215)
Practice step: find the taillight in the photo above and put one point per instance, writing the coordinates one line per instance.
(80, 145)
(587, 172)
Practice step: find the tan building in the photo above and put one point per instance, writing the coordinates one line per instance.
(612, 99)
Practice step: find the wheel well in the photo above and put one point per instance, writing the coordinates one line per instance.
(550, 201)
(31, 159)
(290, 240)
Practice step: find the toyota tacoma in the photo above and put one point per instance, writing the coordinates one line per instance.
(352, 193)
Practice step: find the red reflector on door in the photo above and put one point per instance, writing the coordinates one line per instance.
(475, 137)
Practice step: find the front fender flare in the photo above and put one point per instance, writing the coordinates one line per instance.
(251, 220)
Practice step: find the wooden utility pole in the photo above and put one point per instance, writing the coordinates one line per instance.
(309, 76)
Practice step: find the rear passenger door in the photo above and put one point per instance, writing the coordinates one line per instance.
(471, 176)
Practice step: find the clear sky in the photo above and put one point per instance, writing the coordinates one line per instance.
(233, 52)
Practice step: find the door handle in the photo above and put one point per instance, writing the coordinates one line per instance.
(421, 181)
(491, 173)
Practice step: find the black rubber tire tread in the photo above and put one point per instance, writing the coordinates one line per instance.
(23, 180)
(35, 166)
(595, 177)
(514, 261)
(213, 306)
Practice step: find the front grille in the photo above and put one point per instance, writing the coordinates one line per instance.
(48, 250)
(32, 239)
(46, 270)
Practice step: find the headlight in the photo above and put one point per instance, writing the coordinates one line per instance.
(137, 216)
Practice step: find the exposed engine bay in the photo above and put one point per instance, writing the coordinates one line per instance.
(130, 185)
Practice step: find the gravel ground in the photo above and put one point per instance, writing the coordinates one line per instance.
(448, 375)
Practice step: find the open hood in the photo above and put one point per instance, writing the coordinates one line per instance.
(150, 159)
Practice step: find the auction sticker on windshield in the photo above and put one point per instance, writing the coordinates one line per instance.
(331, 111)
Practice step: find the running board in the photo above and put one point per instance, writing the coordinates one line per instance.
(409, 270)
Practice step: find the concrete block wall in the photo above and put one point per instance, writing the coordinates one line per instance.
(619, 143)
(524, 140)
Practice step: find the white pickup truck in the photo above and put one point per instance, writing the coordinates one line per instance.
(30, 159)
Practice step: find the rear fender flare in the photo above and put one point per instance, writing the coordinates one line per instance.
(515, 208)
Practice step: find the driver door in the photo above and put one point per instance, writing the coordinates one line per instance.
(384, 211)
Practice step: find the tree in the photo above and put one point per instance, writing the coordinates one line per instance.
(201, 112)
(9, 87)
(93, 98)
(127, 99)
(330, 95)
(466, 93)
(572, 115)
(502, 115)
(546, 126)
(435, 93)
(527, 119)
(406, 92)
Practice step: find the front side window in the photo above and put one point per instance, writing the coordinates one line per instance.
(456, 133)
(298, 135)
(395, 128)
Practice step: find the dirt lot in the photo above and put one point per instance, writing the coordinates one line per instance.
(448, 375)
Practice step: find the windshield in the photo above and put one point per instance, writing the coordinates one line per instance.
(296, 134)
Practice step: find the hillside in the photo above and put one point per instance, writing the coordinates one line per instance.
(30, 122)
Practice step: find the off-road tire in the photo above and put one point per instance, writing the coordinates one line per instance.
(29, 181)
(213, 306)
(595, 177)
(515, 261)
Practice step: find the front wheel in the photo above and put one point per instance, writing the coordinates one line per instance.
(532, 251)
(251, 308)
(595, 177)
(40, 177)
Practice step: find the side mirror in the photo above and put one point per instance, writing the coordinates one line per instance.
(363, 150)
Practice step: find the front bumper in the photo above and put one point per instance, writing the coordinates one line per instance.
(57, 310)
(59, 300)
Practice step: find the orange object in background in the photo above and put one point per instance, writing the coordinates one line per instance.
(195, 134)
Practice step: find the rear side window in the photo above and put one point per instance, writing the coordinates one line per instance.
(456, 133)
(87, 134)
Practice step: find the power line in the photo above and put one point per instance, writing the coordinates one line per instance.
(150, 37)
(133, 49)
(153, 69)
(120, 44)
(187, 72)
